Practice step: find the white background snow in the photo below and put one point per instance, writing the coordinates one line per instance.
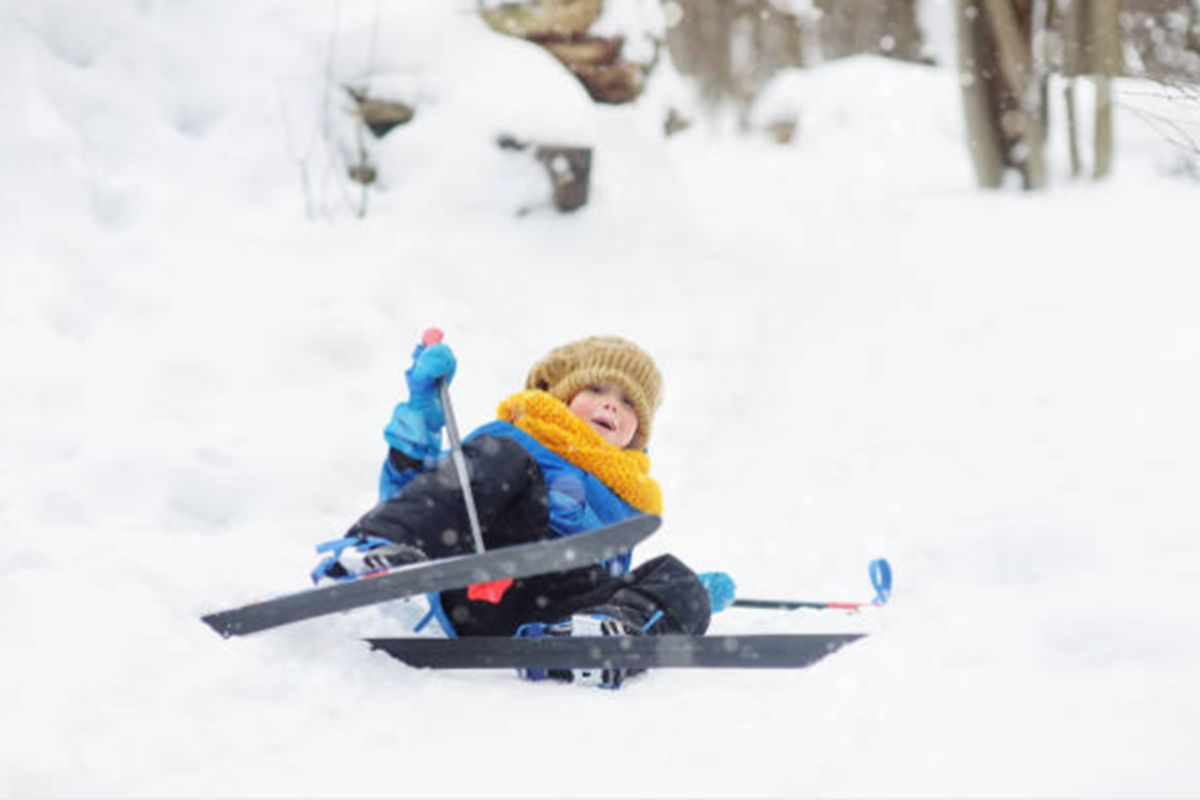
(865, 356)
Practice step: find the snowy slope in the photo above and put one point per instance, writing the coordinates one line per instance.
(864, 356)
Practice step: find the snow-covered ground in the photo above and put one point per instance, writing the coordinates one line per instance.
(864, 356)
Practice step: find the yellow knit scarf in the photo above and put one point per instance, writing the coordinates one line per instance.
(547, 419)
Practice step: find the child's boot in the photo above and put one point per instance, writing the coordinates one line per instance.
(599, 621)
(354, 556)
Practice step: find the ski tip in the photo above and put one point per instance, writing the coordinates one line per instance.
(218, 624)
(433, 336)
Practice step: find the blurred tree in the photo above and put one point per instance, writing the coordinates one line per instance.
(1162, 44)
(1003, 88)
(883, 27)
(1092, 48)
(1162, 39)
(1005, 55)
(733, 47)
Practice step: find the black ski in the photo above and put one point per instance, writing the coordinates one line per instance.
(778, 651)
(520, 561)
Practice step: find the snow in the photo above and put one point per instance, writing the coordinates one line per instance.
(641, 27)
(864, 356)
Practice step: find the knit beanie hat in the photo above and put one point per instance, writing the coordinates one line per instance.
(567, 370)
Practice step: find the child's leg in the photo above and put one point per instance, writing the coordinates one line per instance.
(661, 596)
(430, 513)
(664, 584)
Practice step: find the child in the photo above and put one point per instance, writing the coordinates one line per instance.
(565, 456)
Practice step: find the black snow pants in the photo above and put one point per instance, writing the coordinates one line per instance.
(513, 507)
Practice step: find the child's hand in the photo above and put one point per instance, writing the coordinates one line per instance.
(416, 425)
(431, 363)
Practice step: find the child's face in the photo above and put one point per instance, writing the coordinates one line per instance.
(609, 411)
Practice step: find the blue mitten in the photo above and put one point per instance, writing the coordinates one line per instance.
(416, 425)
(431, 363)
(721, 590)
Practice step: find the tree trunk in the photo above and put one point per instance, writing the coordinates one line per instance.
(700, 47)
(886, 27)
(974, 63)
(1105, 51)
(1092, 33)
(1002, 90)
(902, 31)
(1073, 27)
(1013, 33)
(1072, 127)
(733, 47)
(1104, 128)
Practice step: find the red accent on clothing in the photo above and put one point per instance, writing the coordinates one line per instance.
(490, 592)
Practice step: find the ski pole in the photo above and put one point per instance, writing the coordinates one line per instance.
(435, 336)
(791, 605)
(881, 581)
(492, 591)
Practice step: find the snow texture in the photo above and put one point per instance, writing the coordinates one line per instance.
(865, 356)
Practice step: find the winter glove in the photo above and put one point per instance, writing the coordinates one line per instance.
(720, 588)
(416, 425)
(431, 363)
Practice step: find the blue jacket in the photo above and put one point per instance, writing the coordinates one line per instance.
(524, 493)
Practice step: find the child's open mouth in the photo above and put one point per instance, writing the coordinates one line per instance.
(607, 424)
